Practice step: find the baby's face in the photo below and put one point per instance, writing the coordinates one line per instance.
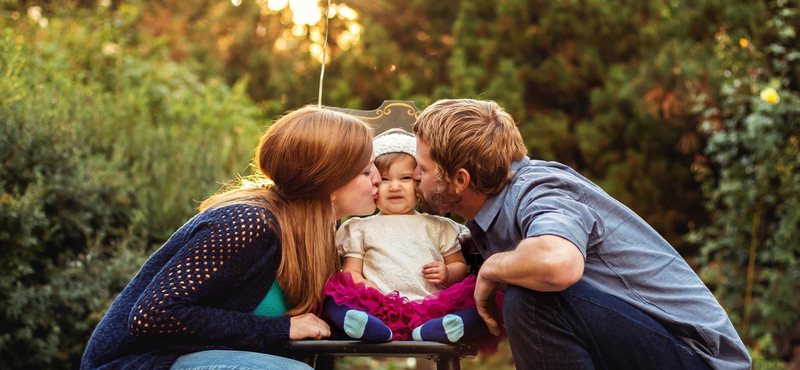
(396, 194)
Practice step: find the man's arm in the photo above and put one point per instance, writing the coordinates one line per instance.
(545, 263)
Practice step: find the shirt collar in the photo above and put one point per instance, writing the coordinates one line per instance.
(494, 202)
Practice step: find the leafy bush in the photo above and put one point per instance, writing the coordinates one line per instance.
(751, 250)
(104, 151)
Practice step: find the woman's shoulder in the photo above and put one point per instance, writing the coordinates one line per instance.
(240, 216)
(244, 227)
(238, 213)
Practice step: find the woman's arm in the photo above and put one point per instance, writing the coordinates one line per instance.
(178, 306)
(355, 266)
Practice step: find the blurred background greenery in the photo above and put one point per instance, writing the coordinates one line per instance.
(117, 117)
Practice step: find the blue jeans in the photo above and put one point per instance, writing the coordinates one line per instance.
(583, 328)
(235, 360)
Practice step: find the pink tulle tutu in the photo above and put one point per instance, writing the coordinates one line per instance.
(403, 315)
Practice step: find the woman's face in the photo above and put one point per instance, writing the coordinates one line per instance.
(357, 197)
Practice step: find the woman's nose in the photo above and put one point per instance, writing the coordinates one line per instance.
(376, 177)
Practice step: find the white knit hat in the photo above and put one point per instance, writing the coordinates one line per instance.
(395, 140)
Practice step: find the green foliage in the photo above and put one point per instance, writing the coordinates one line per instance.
(103, 152)
(601, 86)
(751, 249)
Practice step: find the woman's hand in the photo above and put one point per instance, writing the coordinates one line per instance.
(308, 326)
(435, 272)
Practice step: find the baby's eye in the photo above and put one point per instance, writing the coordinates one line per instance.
(384, 179)
(406, 178)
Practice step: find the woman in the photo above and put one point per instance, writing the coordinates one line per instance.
(248, 271)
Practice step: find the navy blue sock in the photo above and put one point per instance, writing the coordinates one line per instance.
(357, 324)
(460, 325)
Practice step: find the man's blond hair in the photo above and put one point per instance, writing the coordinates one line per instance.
(476, 135)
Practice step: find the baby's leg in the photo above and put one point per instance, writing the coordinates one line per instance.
(357, 324)
(463, 324)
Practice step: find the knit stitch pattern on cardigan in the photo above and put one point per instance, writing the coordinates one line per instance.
(196, 293)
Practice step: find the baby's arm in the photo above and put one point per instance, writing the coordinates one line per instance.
(447, 273)
(355, 266)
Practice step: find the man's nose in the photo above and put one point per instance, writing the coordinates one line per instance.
(417, 175)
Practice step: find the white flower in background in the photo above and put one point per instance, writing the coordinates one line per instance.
(110, 48)
(35, 13)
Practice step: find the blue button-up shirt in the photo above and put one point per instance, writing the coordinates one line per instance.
(624, 256)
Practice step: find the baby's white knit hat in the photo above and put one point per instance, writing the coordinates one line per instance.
(395, 140)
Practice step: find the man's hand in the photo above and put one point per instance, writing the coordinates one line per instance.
(308, 326)
(485, 291)
(435, 272)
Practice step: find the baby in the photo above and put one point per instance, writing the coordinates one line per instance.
(404, 274)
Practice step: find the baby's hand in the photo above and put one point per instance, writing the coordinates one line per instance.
(435, 272)
(371, 284)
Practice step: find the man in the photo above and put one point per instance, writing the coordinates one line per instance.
(590, 284)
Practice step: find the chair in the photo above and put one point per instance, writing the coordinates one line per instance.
(391, 114)
(321, 354)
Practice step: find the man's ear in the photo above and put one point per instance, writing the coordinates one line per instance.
(461, 180)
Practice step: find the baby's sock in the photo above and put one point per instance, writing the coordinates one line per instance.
(357, 324)
(460, 325)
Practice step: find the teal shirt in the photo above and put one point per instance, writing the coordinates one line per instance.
(274, 304)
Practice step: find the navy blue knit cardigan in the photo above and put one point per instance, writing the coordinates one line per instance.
(197, 292)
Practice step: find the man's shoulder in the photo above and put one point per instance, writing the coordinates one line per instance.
(548, 169)
(543, 177)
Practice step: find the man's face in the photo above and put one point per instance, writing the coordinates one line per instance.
(437, 194)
